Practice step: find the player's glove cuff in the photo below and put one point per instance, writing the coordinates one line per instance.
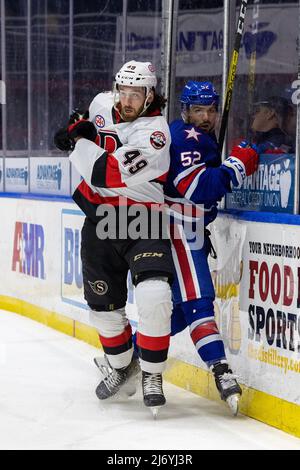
(84, 129)
(239, 170)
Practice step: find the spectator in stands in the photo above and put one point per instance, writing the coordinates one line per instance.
(290, 126)
(269, 121)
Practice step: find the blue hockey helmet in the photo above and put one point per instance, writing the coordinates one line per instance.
(202, 93)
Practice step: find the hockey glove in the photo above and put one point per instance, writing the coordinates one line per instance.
(63, 141)
(84, 129)
(77, 115)
(244, 162)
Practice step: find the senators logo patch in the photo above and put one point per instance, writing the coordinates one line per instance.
(158, 140)
(99, 287)
(99, 121)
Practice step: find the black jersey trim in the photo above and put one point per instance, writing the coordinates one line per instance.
(98, 178)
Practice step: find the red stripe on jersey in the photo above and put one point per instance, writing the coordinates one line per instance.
(116, 341)
(75, 124)
(95, 198)
(156, 112)
(162, 178)
(153, 343)
(202, 331)
(113, 176)
(184, 263)
(186, 182)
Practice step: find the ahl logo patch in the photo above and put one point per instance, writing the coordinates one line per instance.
(99, 121)
(99, 287)
(158, 140)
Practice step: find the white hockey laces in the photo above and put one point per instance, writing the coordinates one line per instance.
(153, 384)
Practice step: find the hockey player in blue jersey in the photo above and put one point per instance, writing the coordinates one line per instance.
(197, 176)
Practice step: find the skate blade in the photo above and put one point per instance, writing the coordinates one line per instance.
(154, 410)
(233, 403)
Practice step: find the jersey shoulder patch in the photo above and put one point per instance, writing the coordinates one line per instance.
(100, 109)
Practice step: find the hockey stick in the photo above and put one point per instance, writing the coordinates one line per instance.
(252, 66)
(232, 72)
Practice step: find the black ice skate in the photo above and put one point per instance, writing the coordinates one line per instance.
(226, 383)
(116, 379)
(153, 392)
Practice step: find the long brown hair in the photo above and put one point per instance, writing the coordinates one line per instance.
(159, 103)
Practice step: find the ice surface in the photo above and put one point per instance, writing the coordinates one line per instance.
(47, 401)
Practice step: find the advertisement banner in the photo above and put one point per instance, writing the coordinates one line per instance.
(199, 41)
(50, 175)
(71, 269)
(16, 175)
(257, 282)
(270, 189)
(256, 277)
(39, 255)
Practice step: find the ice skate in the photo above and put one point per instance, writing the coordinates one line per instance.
(153, 393)
(129, 386)
(229, 389)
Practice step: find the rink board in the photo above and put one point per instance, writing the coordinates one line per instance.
(257, 280)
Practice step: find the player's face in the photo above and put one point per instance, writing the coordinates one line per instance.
(132, 101)
(204, 117)
(261, 118)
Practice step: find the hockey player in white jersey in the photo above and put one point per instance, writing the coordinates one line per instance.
(122, 153)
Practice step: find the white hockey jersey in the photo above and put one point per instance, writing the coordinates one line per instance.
(129, 160)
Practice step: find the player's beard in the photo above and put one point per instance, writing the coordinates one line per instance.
(206, 127)
(131, 114)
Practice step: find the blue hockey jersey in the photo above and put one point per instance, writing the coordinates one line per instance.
(196, 174)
